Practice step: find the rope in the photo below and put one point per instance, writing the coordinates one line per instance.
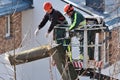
(26, 34)
(50, 69)
(15, 7)
(50, 62)
(66, 66)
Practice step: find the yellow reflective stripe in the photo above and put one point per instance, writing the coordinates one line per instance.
(70, 53)
(83, 23)
(69, 48)
(74, 22)
(81, 57)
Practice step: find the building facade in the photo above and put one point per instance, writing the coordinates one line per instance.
(11, 23)
(10, 28)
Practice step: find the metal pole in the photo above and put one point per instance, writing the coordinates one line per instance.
(85, 60)
(96, 52)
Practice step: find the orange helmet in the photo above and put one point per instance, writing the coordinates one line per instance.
(47, 6)
(68, 8)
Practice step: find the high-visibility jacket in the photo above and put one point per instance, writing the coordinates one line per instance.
(55, 17)
(76, 19)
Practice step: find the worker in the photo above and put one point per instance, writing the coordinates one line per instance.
(77, 21)
(57, 20)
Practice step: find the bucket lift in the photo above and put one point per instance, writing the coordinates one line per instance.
(92, 61)
(90, 40)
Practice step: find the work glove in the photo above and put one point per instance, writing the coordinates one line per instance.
(36, 32)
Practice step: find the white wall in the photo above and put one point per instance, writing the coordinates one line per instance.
(6, 70)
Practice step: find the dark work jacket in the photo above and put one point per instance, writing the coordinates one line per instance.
(76, 19)
(55, 17)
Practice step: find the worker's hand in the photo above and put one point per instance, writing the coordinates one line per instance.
(47, 34)
(36, 32)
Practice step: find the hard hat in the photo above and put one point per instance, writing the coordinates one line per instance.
(47, 6)
(68, 8)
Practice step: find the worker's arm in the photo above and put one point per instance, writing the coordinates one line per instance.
(43, 22)
(51, 26)
(74, 22)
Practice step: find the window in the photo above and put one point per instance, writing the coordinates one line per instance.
(7, 29)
